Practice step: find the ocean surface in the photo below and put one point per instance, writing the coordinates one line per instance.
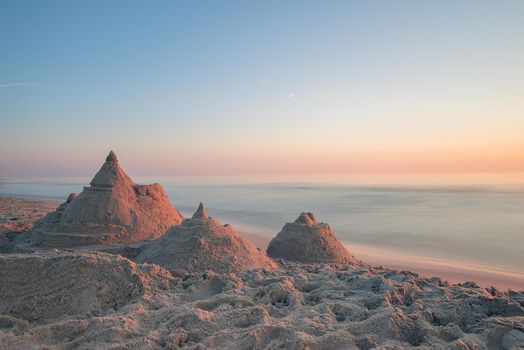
(458, 227)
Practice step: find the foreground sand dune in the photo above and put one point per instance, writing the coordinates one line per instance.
(78, 300)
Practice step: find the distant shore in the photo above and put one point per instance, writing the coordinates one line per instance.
(18, 214)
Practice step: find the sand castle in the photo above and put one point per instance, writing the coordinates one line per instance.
(113, 209)
(203, 243)
(308, 241)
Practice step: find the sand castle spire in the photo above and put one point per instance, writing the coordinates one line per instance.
(111, 174)
(111, 157)
(306, 218)
(200, 213)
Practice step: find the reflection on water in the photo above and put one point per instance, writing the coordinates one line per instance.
(470, 225)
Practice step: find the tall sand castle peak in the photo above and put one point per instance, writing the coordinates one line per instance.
(113, 209)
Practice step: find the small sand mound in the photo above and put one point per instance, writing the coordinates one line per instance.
(307, 241)
(53, 284)
(113, 209)
(203, 243)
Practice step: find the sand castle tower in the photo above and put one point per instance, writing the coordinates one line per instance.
(203, 243)
(309, 241)
(113, 209)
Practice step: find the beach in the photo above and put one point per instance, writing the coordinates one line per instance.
(100, 270)
(92, 300)
(18, 214)
(242, 175)
(434, 225)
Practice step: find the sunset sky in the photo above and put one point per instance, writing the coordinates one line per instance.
(261, 87)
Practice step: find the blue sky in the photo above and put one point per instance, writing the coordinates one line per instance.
(204, 87)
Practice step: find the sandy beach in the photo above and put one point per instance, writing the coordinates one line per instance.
(90, 300)
(100, 271)
(294, 175)
(18, 215)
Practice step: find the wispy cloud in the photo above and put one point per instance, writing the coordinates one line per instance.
(292, 97)
(34, 85)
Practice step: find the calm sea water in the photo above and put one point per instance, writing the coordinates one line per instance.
(476, 229)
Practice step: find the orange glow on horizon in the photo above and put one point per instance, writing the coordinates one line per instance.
(304, 162)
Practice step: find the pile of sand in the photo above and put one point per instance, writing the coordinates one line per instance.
(113, 209)
(307, 241)
(98, 301)
(55, 284)
(203, 243)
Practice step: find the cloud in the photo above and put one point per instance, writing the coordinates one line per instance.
(35, 85)
(292, 97)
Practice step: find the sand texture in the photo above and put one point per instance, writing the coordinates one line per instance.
(112, 209)
(17, 215)
(203, 243)
(309, 241)
(94, 300)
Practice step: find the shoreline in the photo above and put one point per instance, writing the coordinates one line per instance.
(454, 271)
(451, 270)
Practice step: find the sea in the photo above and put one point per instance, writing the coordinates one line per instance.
(460, 227)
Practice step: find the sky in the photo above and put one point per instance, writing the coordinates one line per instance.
(261, 87)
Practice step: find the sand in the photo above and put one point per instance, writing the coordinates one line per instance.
(17, 215)
(80, 300)
(309, 241)
(202, 243)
